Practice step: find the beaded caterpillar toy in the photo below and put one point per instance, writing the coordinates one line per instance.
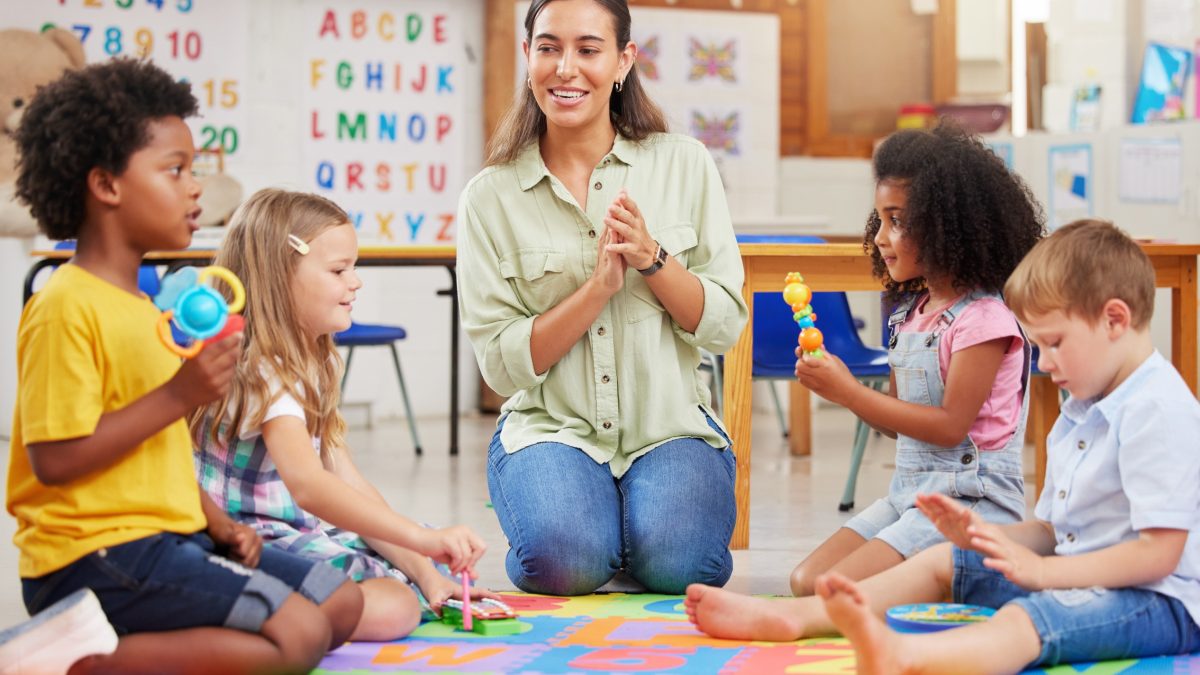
(797, 295)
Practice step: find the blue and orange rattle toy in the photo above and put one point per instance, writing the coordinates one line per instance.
(798, 295)
(196, 310)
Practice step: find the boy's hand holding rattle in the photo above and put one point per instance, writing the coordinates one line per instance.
(202, 314)
(196, 310)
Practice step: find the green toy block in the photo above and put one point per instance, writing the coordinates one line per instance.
(452, 616)
(489, 627)
(495, 627)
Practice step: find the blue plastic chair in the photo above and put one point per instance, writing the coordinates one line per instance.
(774, 355)
(375, 335)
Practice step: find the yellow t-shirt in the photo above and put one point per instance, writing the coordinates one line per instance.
(86, 348)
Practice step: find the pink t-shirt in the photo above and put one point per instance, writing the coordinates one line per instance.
(983, 320)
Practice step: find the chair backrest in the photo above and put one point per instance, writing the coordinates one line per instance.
(775, 332)
(148, 280)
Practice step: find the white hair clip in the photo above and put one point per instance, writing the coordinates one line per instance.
(298, 244)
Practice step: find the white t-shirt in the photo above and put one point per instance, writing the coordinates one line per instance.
(284, 406)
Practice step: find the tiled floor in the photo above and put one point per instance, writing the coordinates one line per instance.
(794, 500)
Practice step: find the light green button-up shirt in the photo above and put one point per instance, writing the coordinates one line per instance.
(632, 383)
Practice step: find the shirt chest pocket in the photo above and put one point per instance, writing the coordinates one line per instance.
(538, 276)
(640, 302)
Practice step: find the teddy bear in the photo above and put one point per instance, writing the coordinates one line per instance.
(28, 60)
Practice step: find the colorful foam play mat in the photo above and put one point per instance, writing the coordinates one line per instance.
(619, 633)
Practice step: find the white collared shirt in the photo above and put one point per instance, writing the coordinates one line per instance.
(1127, 462)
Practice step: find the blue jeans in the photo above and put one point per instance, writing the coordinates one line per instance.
(571, 525)
(1084, 624)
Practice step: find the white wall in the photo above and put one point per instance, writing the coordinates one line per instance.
(404, 296)
(14, 261)
(1090, 43)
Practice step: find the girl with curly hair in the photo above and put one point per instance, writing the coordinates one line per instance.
(950, 224)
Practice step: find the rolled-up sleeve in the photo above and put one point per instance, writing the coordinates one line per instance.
(718, 264)
(496, 322)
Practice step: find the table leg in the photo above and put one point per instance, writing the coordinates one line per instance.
(799, 419)
(454, 329)
(453, 293)
(1043, 411)
(738, 402)
(1183, 322)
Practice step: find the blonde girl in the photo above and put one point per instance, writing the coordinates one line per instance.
(272, 453)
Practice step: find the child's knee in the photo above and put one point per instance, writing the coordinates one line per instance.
(391, 610)
(939, 560)
(300, 631)
(343, 609)
(803, 581)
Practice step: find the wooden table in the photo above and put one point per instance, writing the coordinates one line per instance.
(368, 256)
(844, 267)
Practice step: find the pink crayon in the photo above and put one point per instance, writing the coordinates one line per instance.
(466, 593)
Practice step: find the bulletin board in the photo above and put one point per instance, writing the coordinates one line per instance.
(385, 113)
(201, 41)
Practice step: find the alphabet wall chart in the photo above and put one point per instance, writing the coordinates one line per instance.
(384, 102)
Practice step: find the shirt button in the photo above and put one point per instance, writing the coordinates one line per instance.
(1082, 445)
(600, 331)
(607, 425)
(1071, 537)
(598, 185)
(604, 379)
(967, 459)
(1062, 494)
(592, 234)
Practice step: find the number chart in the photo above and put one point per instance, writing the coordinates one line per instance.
(384, 114)
(201, 41)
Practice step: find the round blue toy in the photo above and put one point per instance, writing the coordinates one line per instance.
(935, 616)
(197, 310)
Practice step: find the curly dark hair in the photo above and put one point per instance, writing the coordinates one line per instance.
(969, 217)
(97, 116)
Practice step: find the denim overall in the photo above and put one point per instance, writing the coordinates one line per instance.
(989, 482)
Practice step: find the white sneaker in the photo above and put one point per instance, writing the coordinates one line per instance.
(60, 635)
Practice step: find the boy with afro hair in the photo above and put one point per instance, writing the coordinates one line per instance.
(100, 473)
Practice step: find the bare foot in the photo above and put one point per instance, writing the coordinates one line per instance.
(877, 648)
(731, 616)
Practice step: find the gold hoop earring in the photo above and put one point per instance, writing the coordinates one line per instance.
(529, 83)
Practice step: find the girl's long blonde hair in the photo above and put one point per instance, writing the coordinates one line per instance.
(274, 348)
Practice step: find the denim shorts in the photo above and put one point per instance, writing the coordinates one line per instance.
(907, 530)
(172, 581)
(1083, 624)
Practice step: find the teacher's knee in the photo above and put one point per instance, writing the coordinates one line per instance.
(565, 565)
(670, 569)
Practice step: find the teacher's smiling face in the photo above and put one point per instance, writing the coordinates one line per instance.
(574, 61)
